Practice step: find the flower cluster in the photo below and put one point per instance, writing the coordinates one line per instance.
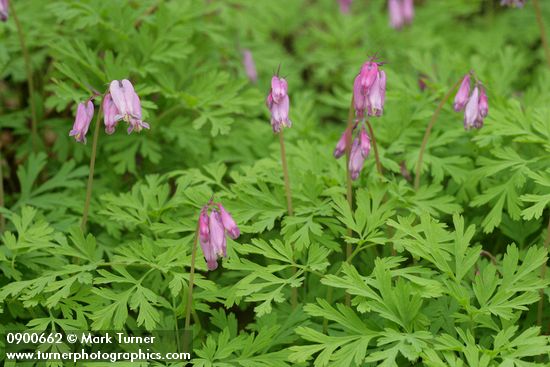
(401, 12)
(360, 149)
(278, 103)
(475, 105)
(345, 6)
(369, 90)
(212, 230)
(120, 103)
(4, 10)
(513, 3)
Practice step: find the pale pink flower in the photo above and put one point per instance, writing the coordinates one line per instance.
(4, 10)
(356, 159)
(345, 6)
(228, 223)
(109, 114)
(249, 66)
(84, 115)
(278, 103)
(513, 3)
(401, 12)
(128, 105)
(471, 112)
(369, 90)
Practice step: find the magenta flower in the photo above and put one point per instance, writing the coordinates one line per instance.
(4, 10)
(84, 115)
(128, 104)
(513, 3)
(109, 114)
(369, 90)
(462, 95)
(360, 150)
(356, 159)
(212, 231)
(249, 66)
(345, 6)
(483, 103)
(401, 12)
(278, 103)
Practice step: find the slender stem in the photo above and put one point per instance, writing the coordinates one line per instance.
(543, 276)
(189, 305)
(288, 192)
(349, 186)
(2, 219)
(285, 174)
(375, 148)
(543, 37)
(175, 310)
(30, 81)
(92, 168)
(428, 131)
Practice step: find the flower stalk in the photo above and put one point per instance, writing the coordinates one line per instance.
(540, 310)
(30, 81)
(189, 305)
(428, 132)
(2, 219)
(91, 173)
(543, 36)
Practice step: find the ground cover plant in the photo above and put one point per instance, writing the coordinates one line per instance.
(298, 182)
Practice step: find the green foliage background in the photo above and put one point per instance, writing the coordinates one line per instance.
(435, 300)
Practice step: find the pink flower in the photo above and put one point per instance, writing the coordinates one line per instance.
(356, 159)
(109, 114)
(369, 90)
(344, 6)
(483, 103)
(249, 66)
(461, 97)
(278, 103)
(513, 3)
(364, 142)
(4, 10)
(228, 223)
(471, 113)
(84, 115)
(401, 12)
(341, 146)
(128, 104)
(212, 230)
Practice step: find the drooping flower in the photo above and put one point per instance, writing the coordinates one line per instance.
(369, 90)
(471, 112)
(345, 6)
(228, 223)
(341, 146)
(249, 66)
(84, 115)
(364, 142)
(128, 104)
(462, 95)
(401, 12)
(109, 114)
(4, 10)
(356, 159)
(513, 3)
(483, 103)
(278, 103)
(212, 230)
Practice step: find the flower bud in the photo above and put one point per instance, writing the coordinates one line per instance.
(356, 160)
(84, 115)
(364, 142)
(249, 66)
(217, 234)
(483, 103)
(471, 113)
(4, 10)
(341, 146)
(204, 230)
(344, 6)
(461, 97)
(228, 223)
(109, 113)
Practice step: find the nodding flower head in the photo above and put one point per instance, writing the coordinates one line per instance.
(345, 6)
(360, 149)
(84, 115)
(513, 3)
(278, 103)
(462, 95)
(369, 90)
(109, 114)
(401, 12)
(364, 141)
(4, 10)
(128, 104)
(212, 232)
(249, 66)
(356, 159)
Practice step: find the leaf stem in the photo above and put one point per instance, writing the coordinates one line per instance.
(92, 168)
(2, 219)
(189, 305)
(288, 193)
(428, 132)
(543, 276)
(543, 37)
(28, 71)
